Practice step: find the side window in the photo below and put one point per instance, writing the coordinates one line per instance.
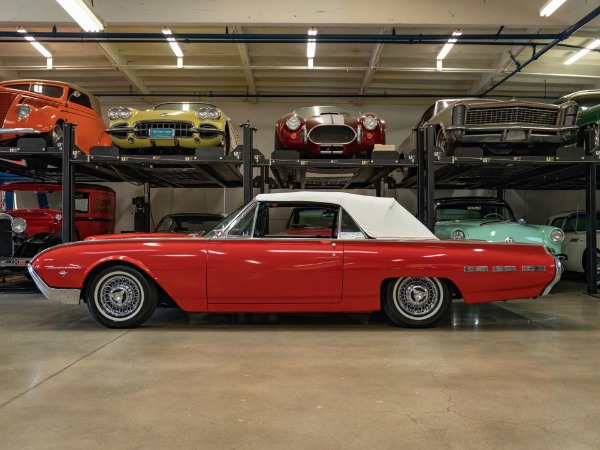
(294, 220)
(558, 222)
(349, 229)
(82, 100)
(82, 202)
(243, 227)
(48, 90)
(18, 87)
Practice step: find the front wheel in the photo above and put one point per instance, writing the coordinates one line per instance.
(121, 297)
(417, 302)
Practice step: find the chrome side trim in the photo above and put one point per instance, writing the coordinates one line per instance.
(66, 296)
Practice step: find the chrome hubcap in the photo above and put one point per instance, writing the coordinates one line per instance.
(120, 296)
(417, 297)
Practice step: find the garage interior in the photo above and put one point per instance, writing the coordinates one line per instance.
(519, 374)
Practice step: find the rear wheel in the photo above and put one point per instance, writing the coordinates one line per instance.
(121, 297)
(417, 302)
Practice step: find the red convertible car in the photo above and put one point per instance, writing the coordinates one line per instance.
(294, 252)
(329, 131)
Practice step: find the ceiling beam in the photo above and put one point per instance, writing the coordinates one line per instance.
(245, 57)
(373, 63)
(121, 64)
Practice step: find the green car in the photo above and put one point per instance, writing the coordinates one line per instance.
(589, 114)
(490, 219)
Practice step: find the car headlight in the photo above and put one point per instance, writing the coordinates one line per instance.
(458, 115)
(58, 217)
(370, 123)
(19, 225)
(119, 113)
(23, 111)
(557, 235)
(113, 113)
(570, 116)
(293, 123)
(125, 113)
(458, 234)
(208, 113)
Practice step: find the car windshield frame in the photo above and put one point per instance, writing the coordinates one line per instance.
(311, 111)
(508, 215)
(182, 106)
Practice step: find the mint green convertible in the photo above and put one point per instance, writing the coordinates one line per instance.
(490, 219)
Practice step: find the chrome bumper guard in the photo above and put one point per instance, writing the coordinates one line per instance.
(66, 296)
(557, 275)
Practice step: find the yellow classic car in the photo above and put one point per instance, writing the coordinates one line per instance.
(171, 128)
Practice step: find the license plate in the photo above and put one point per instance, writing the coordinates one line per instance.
(515, 135)
(162, 133)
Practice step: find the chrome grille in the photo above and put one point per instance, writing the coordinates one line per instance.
(517, 114)
(331, 134)
(182, 129)
(6, 100)
(6, 243)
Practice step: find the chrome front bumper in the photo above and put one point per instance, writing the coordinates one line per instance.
(19, 131)
(66, 296)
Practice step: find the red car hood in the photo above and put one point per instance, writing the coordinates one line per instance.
(102, 237)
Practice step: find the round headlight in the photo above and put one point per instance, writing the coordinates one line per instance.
(202, 113)
(58, 217)
(125, 113)
(113, 113)
(458, 234)
(557, 235)
(214, 114)
(23, 111)
(370, 123)
(293, 123)
(19, 225)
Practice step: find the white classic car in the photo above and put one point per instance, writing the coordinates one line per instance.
(574, 225)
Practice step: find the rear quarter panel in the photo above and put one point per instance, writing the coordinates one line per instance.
(367, 264)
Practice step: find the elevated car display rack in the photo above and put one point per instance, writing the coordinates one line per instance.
(570, 168)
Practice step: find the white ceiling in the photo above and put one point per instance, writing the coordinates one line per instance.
(345, 68)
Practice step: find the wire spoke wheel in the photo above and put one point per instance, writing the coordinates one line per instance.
(417, 301)
(121, 297)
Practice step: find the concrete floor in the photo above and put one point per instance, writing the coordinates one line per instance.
(522, 374)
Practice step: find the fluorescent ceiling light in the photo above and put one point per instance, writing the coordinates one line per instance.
(84, 14)
(446, 48)
(39, 47)
(583, 52)
(550, 6)
(173, 43)
(311, 63)
(311, 46)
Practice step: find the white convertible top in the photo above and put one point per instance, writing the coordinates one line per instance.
(382, 218)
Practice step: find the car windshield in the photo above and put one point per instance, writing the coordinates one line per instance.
(182, 106)
(223, 224)
(470, 211)
(46, 199)
(320, 110)
(584, 101)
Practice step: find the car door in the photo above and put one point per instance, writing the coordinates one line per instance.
(267, 260)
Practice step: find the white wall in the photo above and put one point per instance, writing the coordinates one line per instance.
(400, 115)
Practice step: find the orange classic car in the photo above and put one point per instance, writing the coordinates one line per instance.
(41, 107)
